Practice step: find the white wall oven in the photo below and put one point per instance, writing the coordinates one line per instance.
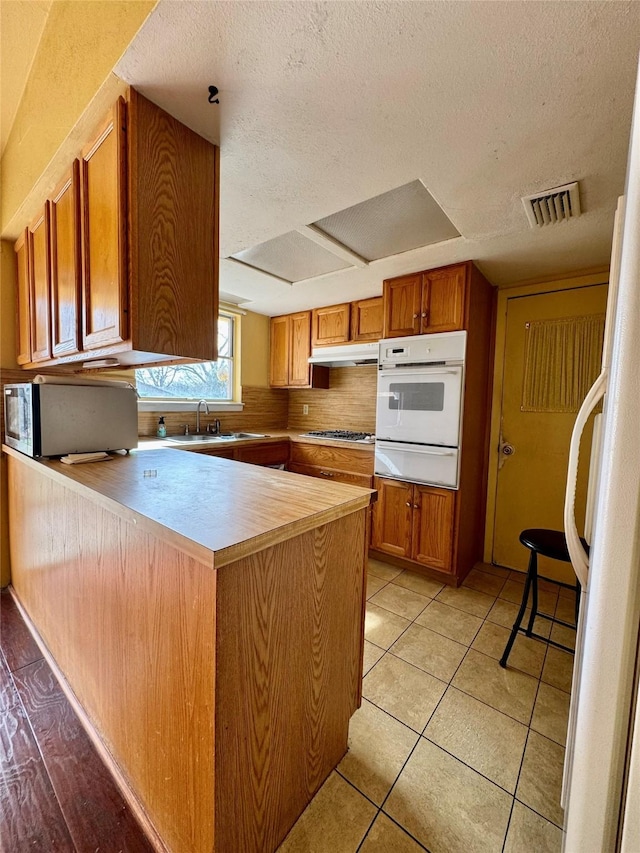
(419, 408)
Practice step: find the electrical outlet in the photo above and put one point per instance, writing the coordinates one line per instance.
(305, 410)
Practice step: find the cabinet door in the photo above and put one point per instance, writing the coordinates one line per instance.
(23, 302)
(104, 262)
(300, 349)
(65, 266)
(279, 352)
(433, 517)
(392, 514)
(40, 287)
(401, 298)
(366, 319)
(330, 325)
(443, 298)
(264, 454)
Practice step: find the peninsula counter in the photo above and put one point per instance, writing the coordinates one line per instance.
(206, 619)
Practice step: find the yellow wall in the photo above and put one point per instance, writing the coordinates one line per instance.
(7, 359)
(254, 350)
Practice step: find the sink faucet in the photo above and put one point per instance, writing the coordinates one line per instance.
(206, 408)
(214, 428)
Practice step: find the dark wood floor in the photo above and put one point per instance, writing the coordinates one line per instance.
(55, 792)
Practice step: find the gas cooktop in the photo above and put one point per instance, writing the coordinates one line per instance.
(341, 435)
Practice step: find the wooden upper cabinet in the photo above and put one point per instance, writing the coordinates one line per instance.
(280, 343)
(402, 306)
(392, 517)
(330, 325)
(23, 301)
(40, 286)
(65, 265)
(299, 351)
(433, 523)
(142, 240)
(290, 351)
(443, 299)
(430, 301)
(366, 319)
(174, 188)
(104, 260)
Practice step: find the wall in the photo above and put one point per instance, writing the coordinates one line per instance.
(254, 348)
(348, 403)
(7, 359)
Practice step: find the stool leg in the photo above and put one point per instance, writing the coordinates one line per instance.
(533, 571)
(523, 607)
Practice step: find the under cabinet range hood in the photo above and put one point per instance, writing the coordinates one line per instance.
(345, 355)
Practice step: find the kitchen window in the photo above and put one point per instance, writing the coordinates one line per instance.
(177, 386)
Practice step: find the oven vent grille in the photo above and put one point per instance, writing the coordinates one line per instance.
(552, 206)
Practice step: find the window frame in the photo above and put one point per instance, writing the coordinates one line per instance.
(186, 404)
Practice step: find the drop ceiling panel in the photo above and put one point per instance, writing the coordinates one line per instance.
(291, 257)
(396, 221)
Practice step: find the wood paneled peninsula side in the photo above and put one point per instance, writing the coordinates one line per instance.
(206, 618)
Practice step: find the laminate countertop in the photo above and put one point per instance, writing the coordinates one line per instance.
(215, 510)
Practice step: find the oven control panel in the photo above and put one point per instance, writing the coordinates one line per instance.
(445, 347)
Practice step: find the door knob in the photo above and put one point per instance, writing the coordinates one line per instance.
(508, 449)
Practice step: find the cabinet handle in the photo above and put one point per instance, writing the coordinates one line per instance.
(416, 506)
(424, 314)
(326, 473)
(408, 503)
(415, 316)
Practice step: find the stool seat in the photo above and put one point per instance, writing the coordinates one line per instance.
(549, 543)
(552, 544)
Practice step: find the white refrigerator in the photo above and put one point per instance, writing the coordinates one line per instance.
(601, 789)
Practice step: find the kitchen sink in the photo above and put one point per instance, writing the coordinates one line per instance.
(231, 436)
(249, 435)
(192, 437)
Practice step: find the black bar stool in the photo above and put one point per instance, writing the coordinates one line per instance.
(549, 543)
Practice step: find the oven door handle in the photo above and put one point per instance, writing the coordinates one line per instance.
(419, 371)
(422, 449)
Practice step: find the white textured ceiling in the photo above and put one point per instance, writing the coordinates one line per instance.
(324, 105)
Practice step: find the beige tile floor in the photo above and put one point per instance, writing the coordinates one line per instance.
(449, 753)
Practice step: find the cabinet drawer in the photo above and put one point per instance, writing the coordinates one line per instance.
(208, 451)
(336, 458)
(264, 454)
(334, 476)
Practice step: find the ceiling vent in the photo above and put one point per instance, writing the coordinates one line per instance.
(552, 206)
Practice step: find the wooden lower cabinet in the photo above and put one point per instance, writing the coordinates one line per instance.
(415, 523)
(269, 453)
(332, 462)
(432, 527)
(264, 454)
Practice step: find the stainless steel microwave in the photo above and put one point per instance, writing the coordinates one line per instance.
(53, 419)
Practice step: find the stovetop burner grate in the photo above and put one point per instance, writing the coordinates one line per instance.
(340, 434)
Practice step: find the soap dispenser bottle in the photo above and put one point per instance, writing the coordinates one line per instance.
(161, 432)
